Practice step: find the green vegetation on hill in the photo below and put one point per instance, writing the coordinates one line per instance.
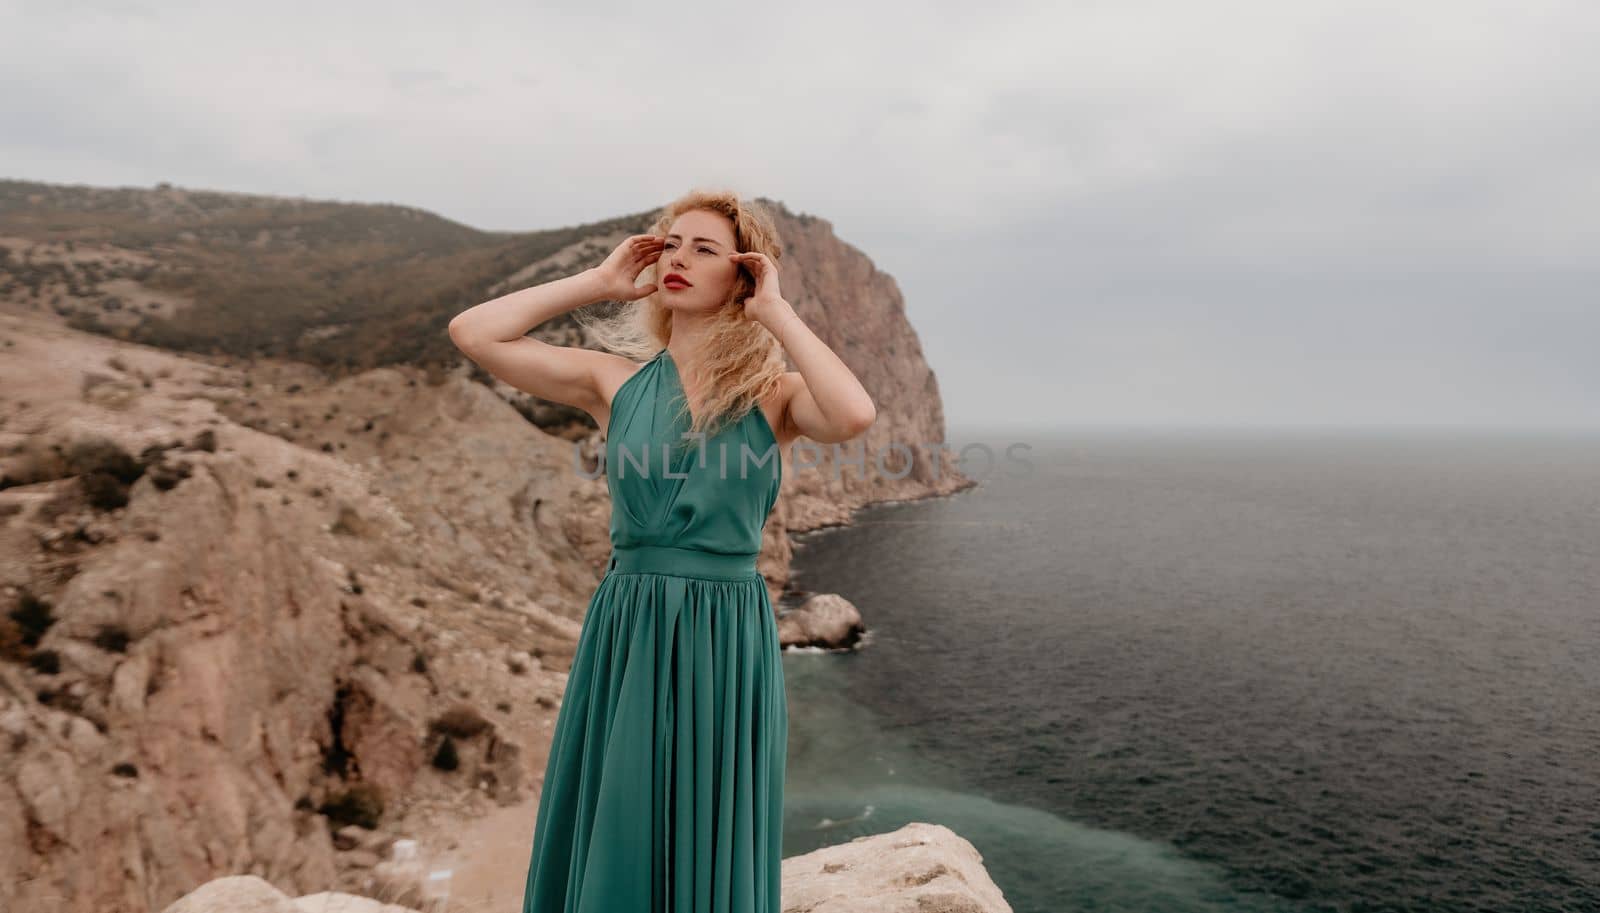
(348, 286)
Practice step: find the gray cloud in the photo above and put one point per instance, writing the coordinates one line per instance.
(1133, 212)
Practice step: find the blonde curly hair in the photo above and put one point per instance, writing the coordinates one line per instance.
(741, 362)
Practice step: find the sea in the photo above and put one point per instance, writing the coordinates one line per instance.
(1155, 670)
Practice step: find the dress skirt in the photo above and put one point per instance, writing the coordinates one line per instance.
(664, 789)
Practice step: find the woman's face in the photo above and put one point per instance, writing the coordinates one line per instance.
(697, 247)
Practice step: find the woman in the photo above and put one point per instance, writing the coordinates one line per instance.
(664, 788)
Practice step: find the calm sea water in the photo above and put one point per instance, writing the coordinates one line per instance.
(1179, 671)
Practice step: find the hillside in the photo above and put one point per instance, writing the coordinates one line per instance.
(277, 584)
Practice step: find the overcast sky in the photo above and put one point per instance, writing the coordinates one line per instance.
(1273, 213)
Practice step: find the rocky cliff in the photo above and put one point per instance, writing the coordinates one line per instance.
(263, 613)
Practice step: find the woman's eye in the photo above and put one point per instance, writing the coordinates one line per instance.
(708, 250)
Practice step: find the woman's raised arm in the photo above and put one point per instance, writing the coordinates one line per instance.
(494, 334)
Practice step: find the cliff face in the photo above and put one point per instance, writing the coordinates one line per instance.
(221, 643)
(859, 312)
(251, 604)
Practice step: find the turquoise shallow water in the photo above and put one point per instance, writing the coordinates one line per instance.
(1192, 671)
(851, 776)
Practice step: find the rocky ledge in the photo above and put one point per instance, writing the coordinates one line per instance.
(920, 868)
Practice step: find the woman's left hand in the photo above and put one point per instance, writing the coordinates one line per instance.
(766, 306)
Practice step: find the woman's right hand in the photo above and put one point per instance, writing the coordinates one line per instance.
(622, 268)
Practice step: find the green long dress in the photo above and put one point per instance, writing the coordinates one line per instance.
(664, 789)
